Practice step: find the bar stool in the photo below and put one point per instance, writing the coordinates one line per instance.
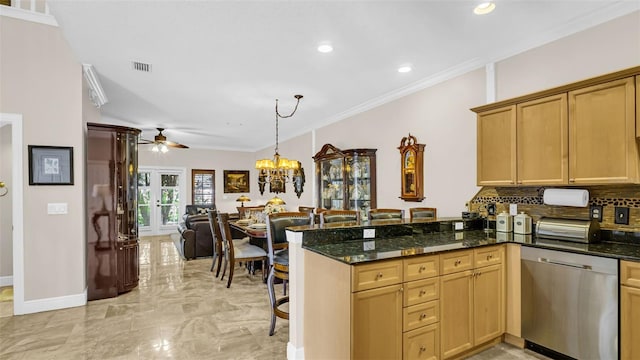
(278, 253)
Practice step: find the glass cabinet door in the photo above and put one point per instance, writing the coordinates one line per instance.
(332, 184)
(358, 170)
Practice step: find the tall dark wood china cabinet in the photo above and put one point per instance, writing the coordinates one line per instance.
(111, 203)
(346, 178)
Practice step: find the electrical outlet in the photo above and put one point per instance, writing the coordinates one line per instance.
(491, 209)
(595, 212)
(622, 215)
(369, 233)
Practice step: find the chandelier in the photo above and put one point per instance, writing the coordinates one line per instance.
(276, 171)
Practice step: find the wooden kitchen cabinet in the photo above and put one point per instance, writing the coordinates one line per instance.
(497, 147)
(488, 300)
(422, 344)
(630, 307)
(456, 313)
(377, 323)
(577, 134)
(472, 301)
(602, 128)
(542, 141)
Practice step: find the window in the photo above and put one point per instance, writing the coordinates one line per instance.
(203, 184)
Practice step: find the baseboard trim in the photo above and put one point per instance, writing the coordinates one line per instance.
(6, 280)
(294, 353)
(514, 340)
(55, 303)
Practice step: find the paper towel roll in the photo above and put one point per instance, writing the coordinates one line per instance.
(566, 197)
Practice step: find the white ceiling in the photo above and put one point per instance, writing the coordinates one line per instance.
(218, 66)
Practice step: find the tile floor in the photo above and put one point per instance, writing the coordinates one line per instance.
(179, 310)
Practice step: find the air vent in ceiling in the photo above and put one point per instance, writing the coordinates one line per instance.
(140, 66)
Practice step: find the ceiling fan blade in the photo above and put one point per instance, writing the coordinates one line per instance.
(175, 145)
(145, 141)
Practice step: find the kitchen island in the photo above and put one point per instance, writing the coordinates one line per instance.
(459, 273)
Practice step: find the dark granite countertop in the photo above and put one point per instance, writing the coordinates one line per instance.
(352, 251)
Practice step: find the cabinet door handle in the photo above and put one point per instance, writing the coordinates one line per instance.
(457, 263)
(423, 316)
(572, 180)
(422, 292)
(378, 275)
(489, 257)
(519, 181)
(423, 348)
(422, 268)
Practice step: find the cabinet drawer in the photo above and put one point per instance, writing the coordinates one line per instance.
(630, 273)
(422, 344)
(490, 255)
(456, 261)
(421, 267)
(417, 292)
(377, 274)
(420, 315)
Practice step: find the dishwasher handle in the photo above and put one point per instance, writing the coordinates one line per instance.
(563, 263)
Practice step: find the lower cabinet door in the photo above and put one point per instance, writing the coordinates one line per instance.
(488, 309)
(629, 323)
(422, 343)
(456, 313)
(377, 323)
(128, 265)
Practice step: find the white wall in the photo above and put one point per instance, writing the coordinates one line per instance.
(42, 81)
(6, 217)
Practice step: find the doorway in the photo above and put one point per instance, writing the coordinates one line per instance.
(13, 205)
(161, 199)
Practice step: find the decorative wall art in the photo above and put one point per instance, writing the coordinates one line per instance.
(236, 181)
(50, 165)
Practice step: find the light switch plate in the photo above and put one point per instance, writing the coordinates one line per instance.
(369, 233)
(57, 208)
(369, 245)
(458, 225)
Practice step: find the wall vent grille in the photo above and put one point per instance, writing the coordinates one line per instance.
(140, 66)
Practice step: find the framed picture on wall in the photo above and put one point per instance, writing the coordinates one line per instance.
(50, 165)
(236, 181)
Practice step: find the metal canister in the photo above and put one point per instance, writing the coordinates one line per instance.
(522, 223)
(504, 222)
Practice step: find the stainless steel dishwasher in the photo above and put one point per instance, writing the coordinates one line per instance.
(570, 304)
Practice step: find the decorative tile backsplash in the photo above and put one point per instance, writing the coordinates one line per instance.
(529, 200)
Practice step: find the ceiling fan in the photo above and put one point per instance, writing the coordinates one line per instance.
(161, 144)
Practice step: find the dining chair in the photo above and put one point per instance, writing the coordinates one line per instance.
(385, 214)
(218, 252)
(422, 213)
(236, 250)
(351, 217)
(278, 253)
(306, 209)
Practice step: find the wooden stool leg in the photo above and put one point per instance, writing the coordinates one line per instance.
(272, 300)
(231, 266)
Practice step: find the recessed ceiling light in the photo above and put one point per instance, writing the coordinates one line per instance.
(484, 8)
(404, 69)
(325, 48)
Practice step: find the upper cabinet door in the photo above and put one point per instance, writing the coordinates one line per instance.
(497, 147)
(602, 134)
(543, 141)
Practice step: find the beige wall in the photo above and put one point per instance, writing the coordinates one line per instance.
(606, 48)
(438, 117)
(217, 160)
(6, 218)
(42, 80)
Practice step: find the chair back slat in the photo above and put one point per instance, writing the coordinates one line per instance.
(341, 216)
(385, 214)
(422, 213)
(276, 225)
